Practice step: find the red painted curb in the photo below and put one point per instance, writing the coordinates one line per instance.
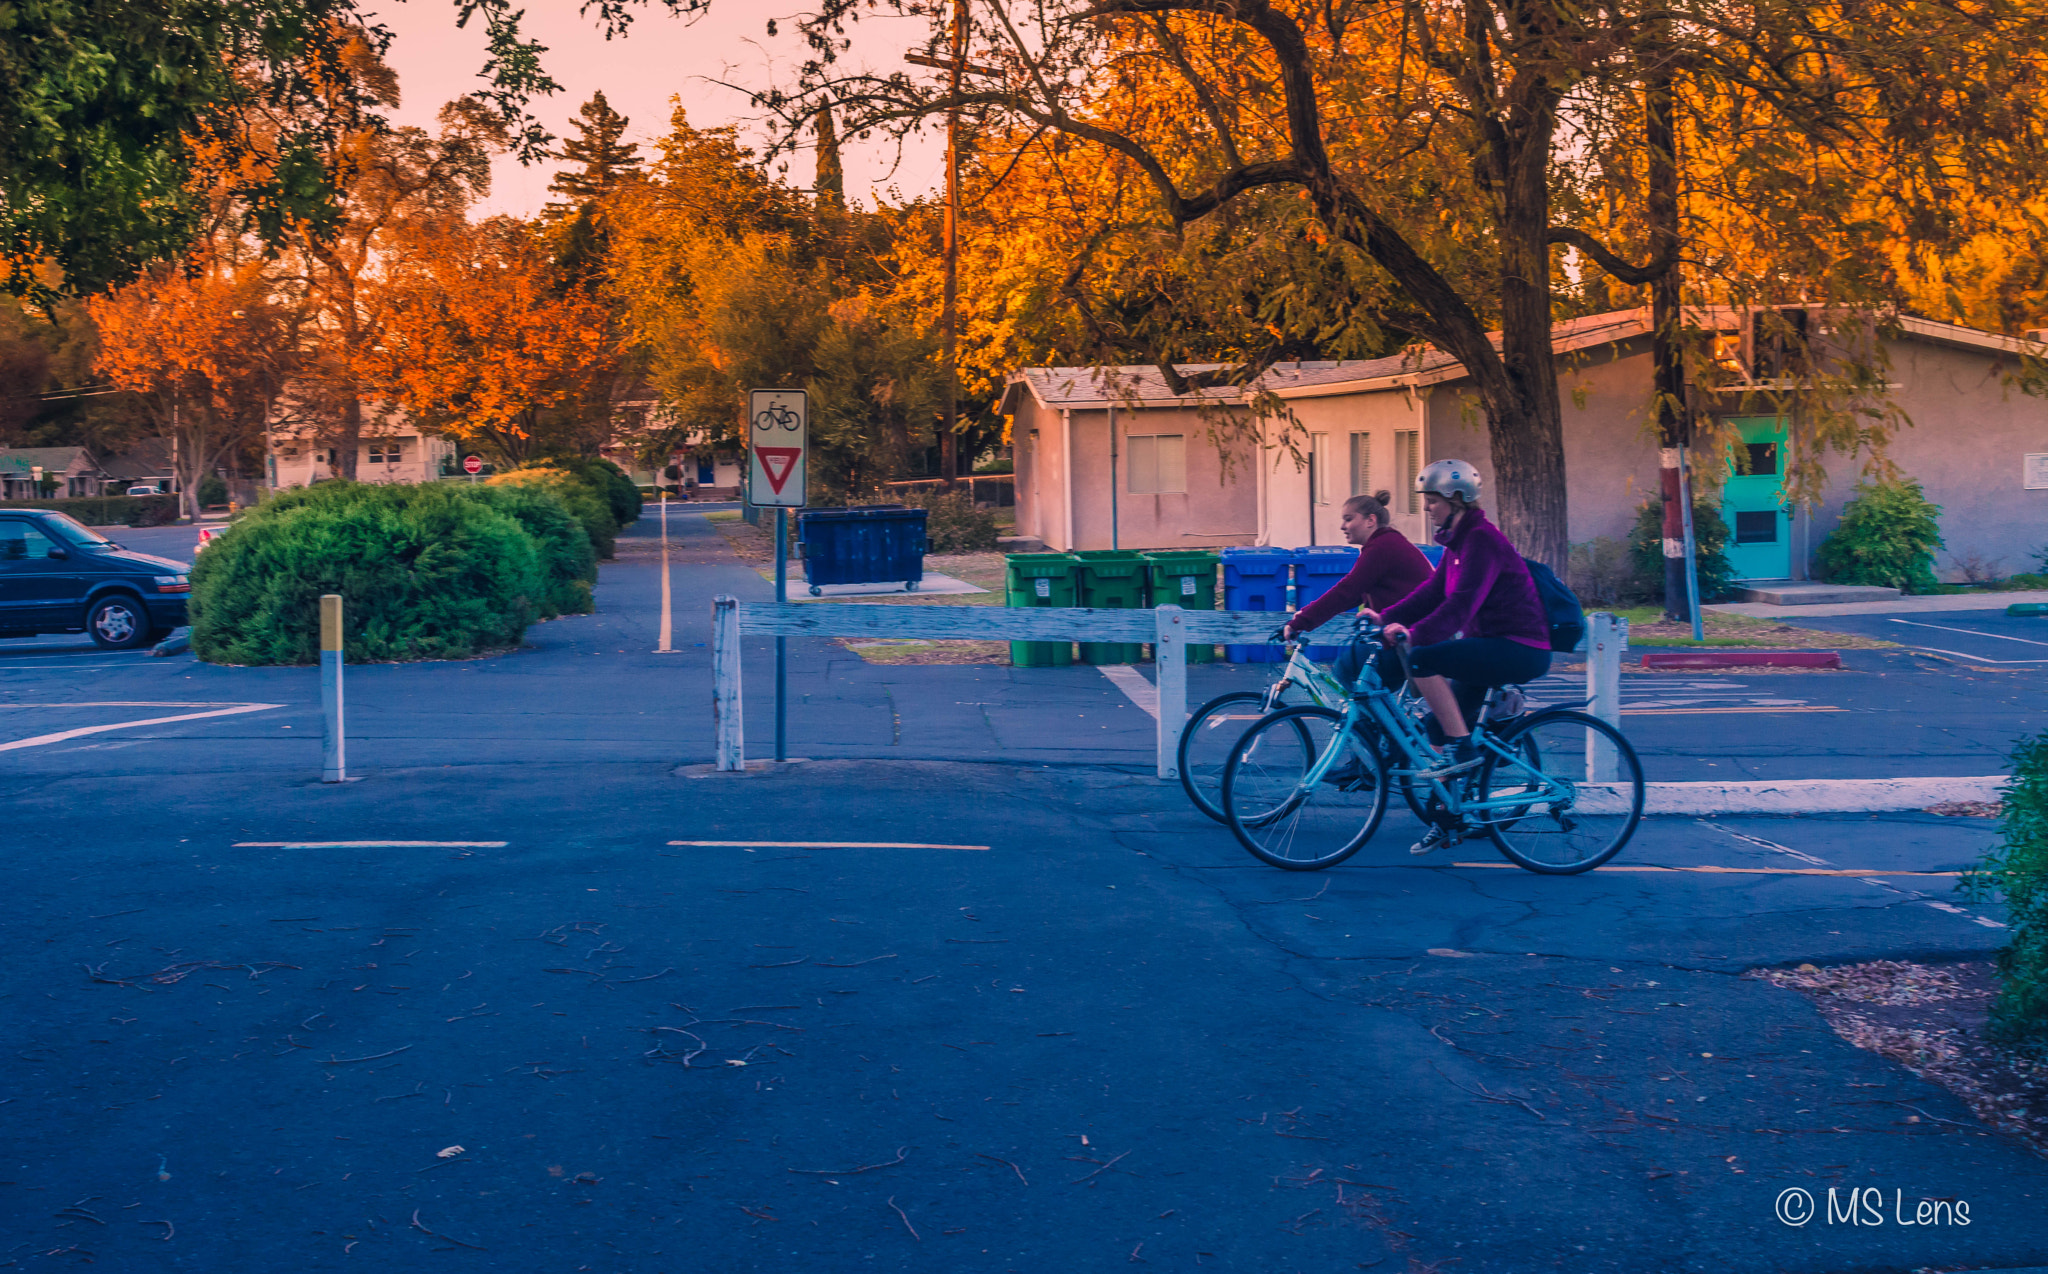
(1744, 659)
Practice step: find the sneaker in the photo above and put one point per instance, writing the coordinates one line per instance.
(1434, 839)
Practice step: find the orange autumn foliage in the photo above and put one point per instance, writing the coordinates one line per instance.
(483, 339)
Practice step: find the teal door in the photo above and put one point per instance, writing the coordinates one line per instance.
(1753, 503)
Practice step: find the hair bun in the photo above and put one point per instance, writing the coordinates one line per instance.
(1384, 497)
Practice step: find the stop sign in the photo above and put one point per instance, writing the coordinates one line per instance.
(472, 464)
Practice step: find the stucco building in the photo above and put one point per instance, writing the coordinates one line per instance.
(1201, 470)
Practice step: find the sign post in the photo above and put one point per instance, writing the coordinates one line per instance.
(778, 442)
(472, 465)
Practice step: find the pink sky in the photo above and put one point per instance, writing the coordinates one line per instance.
(661, 57)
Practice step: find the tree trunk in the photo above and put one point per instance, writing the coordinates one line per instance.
(350, 441)
(1525, 422)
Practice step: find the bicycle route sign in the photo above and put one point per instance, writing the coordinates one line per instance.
(778, 436)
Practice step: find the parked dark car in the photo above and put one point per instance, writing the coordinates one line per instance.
(58, 575)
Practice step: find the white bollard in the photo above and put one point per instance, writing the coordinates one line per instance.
(728, 741)
(1606, 639)
(1170, 669)
(333, 740)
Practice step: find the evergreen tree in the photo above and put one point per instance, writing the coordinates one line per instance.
(606, 162)
(831, 182)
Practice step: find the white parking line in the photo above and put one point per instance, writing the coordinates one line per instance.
(1971, 632)
(43, 740)
(370, 844)
(1135, 686)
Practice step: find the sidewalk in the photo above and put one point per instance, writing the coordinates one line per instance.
(1896, 606)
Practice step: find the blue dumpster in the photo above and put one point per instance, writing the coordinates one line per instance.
(874, 544)
(1256, 580)
(1434, 552)
(1315, 570)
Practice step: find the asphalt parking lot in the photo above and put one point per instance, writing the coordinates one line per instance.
(970, 990)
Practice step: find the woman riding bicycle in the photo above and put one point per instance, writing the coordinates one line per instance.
(1477, 622)
(1388, 567)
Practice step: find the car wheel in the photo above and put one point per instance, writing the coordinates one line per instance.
(119, 622)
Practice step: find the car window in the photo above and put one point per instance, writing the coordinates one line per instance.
(23, 542)
(78, 532)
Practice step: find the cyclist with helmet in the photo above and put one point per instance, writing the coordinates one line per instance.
(1476, 623)
(1388, 567)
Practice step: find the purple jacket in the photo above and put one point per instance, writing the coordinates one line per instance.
(1387, 570)
(1481, 589)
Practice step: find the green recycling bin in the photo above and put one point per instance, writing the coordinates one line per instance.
(1185, 578)
(1112, 578)
(1040, 579)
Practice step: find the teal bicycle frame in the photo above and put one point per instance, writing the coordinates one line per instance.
(1373, 702)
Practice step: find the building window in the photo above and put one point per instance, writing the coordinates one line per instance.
(1759, 459)
(1319, 468)
(385, 453)
(1408, 459)
(1757, 528)
(1158, 463)
(1361, 464)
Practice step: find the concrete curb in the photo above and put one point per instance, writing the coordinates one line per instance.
(1804, 796)
(176, 644)
(1743, 659)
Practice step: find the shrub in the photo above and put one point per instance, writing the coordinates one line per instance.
(952, 523)
(2017, 867)
(427, 574)
(1710, 550)
(1603, 573)
(584, 503)
(213, 489)
(606, 480)
(111, 510)
(567, 560)
(1887, 536)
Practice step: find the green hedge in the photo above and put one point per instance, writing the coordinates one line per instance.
(566, 556)
(1710, 544)
(1887, 536)
(586, 504)
(611, 484)
(110, 510)
(2018, 869)
(428, 573)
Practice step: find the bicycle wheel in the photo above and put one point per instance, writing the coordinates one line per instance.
(1205, 744)
(1561, 837)
(1285, 820)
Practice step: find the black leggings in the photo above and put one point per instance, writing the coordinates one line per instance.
(1474, 664)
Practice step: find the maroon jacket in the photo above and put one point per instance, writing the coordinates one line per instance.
(1482, 589)
(1388, 569)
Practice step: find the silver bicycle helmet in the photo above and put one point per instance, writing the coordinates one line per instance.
(1449, 478)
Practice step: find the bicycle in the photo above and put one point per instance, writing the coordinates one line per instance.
(1557, 790)
(1207, 739)
(778, 415)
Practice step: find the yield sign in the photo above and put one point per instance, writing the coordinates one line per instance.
(778, 434)
(776, 463)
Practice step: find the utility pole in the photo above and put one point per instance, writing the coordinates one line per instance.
(954, 66)
(1667, 344)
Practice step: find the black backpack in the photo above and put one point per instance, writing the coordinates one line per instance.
(1561, 607)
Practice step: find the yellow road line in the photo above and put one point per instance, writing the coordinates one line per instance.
(1748, 871)
(818, 844)
(1676, 712)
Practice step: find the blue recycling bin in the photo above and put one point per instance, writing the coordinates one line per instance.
(874, 544)
(1257, 580)
(1315, 570)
